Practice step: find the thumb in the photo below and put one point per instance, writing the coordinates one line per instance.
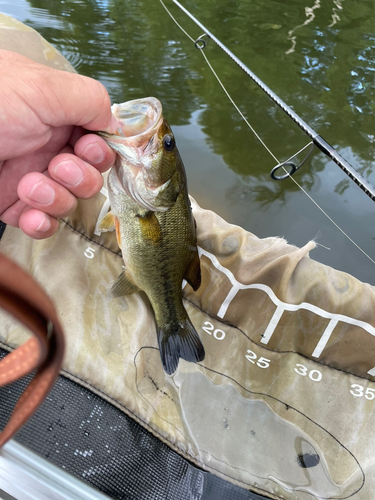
(80, 101)
(57, 97)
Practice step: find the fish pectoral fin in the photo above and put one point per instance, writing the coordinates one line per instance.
(193, 272)
(150, 227)
(124, 285)
(107, 223)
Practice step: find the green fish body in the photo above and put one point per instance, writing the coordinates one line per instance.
(151, 212)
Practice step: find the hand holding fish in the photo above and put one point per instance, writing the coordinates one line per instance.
(47, 160)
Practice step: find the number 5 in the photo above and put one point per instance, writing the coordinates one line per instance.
(263, 362)
(89, 253)
(370, 393)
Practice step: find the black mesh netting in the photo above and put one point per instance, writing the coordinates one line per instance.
(88, 437)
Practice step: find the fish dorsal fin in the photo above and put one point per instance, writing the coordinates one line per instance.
(124, 285)
(107, 223)
(150, 227)
(193, 272)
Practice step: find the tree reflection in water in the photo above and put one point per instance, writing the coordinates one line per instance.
(135, 49)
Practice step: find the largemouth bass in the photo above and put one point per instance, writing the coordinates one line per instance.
(151, 213)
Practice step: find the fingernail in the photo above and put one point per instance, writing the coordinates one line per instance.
(44, 226)
(68, 172)
(42, 193)
(93, 154)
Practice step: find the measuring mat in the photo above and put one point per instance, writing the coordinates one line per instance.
(283, 403)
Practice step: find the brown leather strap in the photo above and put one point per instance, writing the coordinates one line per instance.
(22, 297)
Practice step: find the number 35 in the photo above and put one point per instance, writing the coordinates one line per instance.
(357, 391)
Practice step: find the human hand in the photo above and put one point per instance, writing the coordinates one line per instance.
(47, 160)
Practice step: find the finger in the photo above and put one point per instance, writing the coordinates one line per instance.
(82, 179)
(77, 133)
(34, 223)
(37, 224)
(96, 151)
(83, 101)
(67, 98)
(14, 169)
(12, 214)
(47, 195)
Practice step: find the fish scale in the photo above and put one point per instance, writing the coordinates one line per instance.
(151, 211)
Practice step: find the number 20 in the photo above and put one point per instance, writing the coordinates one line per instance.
(209, 328)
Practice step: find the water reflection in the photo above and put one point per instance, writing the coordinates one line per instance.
(138, 45)
(135, 49)
(310, 16)
(335, 12)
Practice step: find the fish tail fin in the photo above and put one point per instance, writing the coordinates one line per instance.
(179, 340)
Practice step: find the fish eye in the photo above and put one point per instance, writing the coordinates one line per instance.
(168, 142)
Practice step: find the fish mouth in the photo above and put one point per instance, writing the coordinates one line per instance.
(139, 120)
(135, 142)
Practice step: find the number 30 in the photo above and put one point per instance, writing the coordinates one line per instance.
(314, 375)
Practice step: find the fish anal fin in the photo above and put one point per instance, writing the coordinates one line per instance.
(179, 340)
(150, 227)
(107, 223)
(124, 285)
(193, 272)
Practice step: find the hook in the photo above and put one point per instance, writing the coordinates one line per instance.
(291, 164)
(200, 43)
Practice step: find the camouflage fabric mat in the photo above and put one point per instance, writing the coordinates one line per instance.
(289, 344)
(283, 403)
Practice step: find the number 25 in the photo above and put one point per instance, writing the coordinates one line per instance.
(262, 362)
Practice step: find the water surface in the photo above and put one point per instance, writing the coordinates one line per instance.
(318, 56)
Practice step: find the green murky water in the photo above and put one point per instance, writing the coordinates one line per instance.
(319, 57)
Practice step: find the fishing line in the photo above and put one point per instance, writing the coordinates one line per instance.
(321, 143)
(235, 105)
(175, 20)
(200, 48)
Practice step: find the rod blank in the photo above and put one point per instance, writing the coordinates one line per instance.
(323, 145)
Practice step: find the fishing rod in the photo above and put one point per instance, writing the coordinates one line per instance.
(318, 140)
